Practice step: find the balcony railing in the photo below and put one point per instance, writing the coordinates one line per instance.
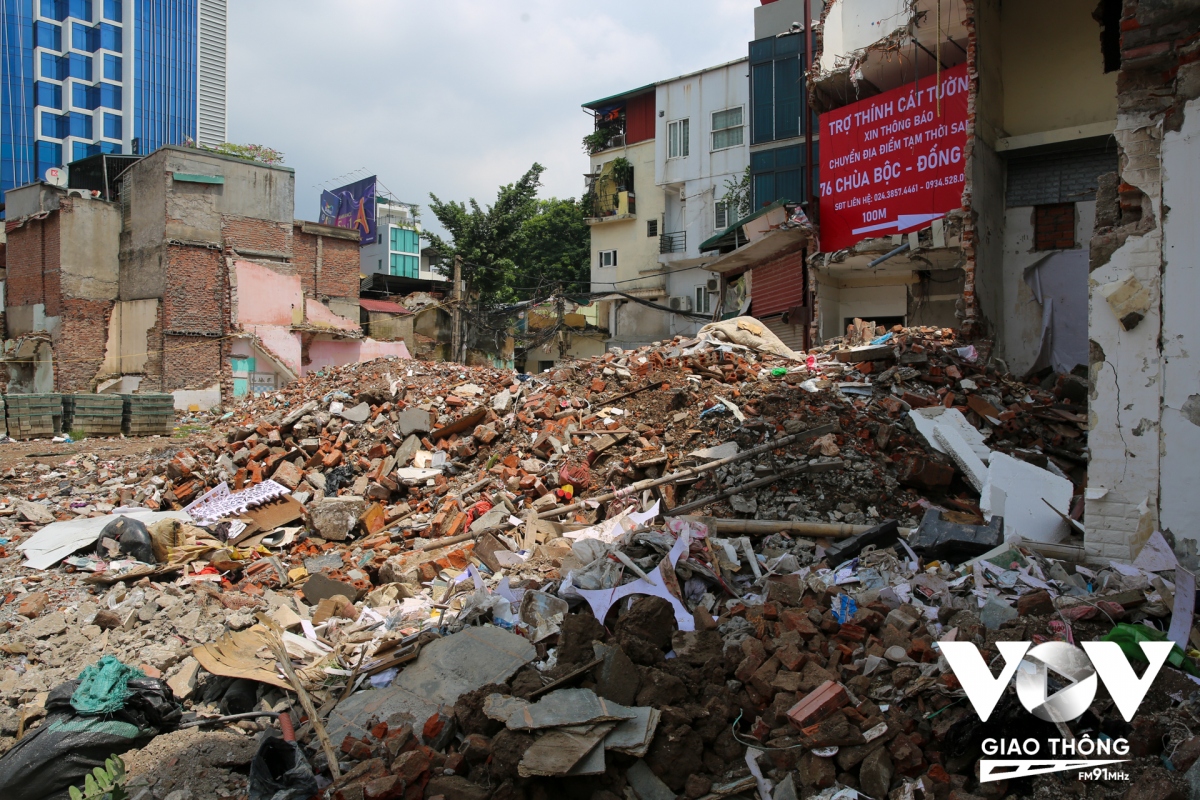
(672, 242)
(620, 204)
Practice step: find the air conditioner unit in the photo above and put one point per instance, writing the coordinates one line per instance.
(713, 284)
(683, 303)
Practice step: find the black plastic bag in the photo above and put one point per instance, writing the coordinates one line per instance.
(127, 536)
(68, 745)
(280, 771)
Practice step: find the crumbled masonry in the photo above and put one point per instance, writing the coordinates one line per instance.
(696, 569)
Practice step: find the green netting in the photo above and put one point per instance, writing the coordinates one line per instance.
(103, 686)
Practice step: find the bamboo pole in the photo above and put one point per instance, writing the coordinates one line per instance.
(691, 471)
(745, 487)
(764, 527)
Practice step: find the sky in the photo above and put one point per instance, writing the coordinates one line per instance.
(453, 97)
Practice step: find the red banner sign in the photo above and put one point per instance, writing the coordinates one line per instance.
(892, 163)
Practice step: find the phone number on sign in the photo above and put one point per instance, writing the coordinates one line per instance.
(949, 180)
(897, 192)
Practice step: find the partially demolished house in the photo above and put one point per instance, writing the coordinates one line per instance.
(958, 178)
(1006, 168)
(194, 280)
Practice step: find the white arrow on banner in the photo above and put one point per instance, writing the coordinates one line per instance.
(904, 221)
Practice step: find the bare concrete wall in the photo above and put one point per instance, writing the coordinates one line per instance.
(1180, 429)
(89, 244)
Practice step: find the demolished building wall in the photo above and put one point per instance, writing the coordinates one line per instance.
(144, 294)
(1142, 288)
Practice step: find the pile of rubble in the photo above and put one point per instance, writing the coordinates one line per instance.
(708, 567)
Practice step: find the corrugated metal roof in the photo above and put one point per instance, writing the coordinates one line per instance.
(611, 98)
(382, 306)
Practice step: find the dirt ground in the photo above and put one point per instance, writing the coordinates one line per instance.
(23, 455)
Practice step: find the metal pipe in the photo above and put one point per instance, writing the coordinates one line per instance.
(888, 255)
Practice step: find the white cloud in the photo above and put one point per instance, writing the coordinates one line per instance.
(453, 97)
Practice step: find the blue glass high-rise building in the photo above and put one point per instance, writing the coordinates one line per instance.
(80, 77)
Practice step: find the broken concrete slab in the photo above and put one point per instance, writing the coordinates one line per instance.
(713, 453)
(446, 669)
(358, 413)
(968, 462)
(413, 420)
(320, 587)
(557, 751)
(1033, 501)
(334, 517)
(646, 785)
(930, 419)
(567, 707)
(633, 736)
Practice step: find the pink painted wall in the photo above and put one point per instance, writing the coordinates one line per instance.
(325, 353)
(280, 342)
(264, 297)
(321, 316)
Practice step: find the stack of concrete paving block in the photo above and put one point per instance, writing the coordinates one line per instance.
(149, 414)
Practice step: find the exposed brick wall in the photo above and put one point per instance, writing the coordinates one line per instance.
(1054, 226)
(777, 286)
(339, 268)
(1160, 72)
(191, 362)
(328, 266)
(32, 247)
(256, 235)
(972, 316)
(304, 256)
(194, 298)
(82, 338)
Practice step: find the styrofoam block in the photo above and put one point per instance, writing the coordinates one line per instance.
(1019, 492)
(929, 419)
(954, 445)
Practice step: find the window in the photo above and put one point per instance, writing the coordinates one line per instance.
(110, 96)
(722, 216)
(652, 227)
(54, 9)
(81, 125)
(779, 175)
(81, 66)
(404, 265)
(112, 10)
(110, 37)
(84, 96)
(83, 150)
(727, 128)
(47, 35)
(54, 126)
(84, 38)
(679, 139)
(54, 67)
(112, 67)
(608, 258)
(81, 9)
(1054, 227)
(48, 94)
(112, 126)
(703, 304)
(49, 154)
(404, 240)
(777, 93)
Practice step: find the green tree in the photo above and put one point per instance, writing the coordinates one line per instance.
(516, 243)
(554, 246)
